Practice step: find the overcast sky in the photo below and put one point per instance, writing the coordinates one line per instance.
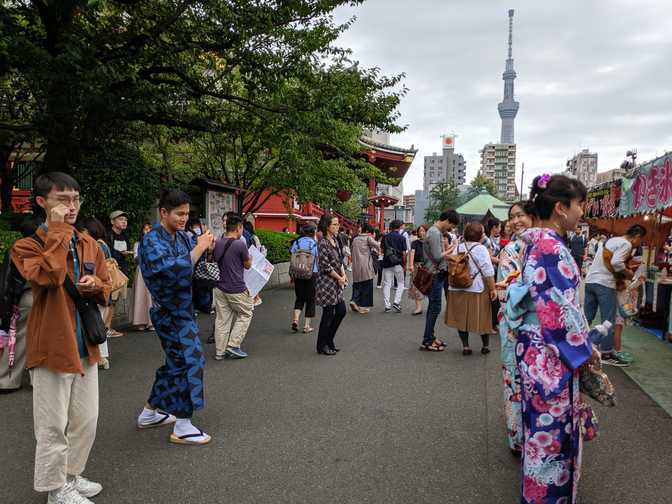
(591, 74)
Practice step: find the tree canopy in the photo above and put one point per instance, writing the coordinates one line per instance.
(256, 94)
(442, 196)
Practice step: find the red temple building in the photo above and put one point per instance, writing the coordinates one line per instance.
(282, 211)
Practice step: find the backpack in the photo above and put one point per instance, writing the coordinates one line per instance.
(459, 276)
(11, 287)
(301, 263)
(391, 255)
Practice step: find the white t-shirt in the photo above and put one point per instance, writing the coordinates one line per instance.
(481, 255)
(598, 272)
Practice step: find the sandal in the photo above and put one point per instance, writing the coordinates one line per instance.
(417, 313)
(485, 350)
(166, 420)
(434, 347)
(295, 326)
(187, 439)
(467, 351)
(307, 330)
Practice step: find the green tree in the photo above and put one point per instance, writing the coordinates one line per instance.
(444, 195)
(97, 66)
(480, 182)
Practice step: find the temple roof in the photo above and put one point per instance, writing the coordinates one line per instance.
(393, 161)
(369, 142)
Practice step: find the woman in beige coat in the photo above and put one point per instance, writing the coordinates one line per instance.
(469, 309)
(362, 249)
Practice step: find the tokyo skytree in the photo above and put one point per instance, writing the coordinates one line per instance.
(508, 108)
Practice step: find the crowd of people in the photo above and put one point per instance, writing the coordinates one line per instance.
(520, 280)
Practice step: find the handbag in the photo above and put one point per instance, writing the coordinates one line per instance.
(92, 322)
(207, 270)
(391, 255)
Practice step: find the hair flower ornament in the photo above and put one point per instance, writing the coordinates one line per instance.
(543, 181)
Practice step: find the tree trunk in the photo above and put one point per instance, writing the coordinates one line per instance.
(7, 178)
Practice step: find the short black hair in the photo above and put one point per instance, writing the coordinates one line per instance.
(308, 229)
(325, 222)
(54, 180)
(367, 228)
(636, 230)
(395, 224)
(450, 215)
(492, 223)
(526, 206)
(232, 222)
(558, 189)
(94, 227)
(170, 199)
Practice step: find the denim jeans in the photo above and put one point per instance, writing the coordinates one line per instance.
(434, 308)
(605, 298)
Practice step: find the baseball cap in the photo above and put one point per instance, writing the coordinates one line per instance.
(117, 213)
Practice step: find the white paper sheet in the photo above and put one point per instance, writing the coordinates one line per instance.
(260, 272)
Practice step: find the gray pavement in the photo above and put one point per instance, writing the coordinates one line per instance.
(380, 422)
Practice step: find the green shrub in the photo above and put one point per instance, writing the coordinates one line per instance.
(277, 244)
(7, 239)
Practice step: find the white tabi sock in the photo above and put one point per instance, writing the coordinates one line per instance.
(148, 416)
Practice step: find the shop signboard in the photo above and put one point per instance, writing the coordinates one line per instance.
(603, 202)
(650, 189)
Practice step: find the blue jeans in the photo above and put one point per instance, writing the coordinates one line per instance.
(605, 298)
(434, 308)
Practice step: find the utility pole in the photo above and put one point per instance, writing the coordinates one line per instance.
(522, 177)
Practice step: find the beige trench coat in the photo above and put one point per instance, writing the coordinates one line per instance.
(362, 247)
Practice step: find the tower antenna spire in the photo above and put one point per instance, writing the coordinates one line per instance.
(508, 108)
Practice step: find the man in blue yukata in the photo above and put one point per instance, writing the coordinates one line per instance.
(167, 255)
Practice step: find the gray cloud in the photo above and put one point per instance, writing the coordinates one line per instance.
(591, 73)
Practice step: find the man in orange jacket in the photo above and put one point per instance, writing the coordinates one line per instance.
(63, 364)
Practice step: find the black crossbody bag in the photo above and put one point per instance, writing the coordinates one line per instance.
(92, 322)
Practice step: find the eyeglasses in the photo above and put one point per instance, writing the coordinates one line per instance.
(77, 201)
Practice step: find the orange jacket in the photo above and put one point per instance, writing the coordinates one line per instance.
(51, 338)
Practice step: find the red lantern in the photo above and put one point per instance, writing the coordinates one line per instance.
(343, 195)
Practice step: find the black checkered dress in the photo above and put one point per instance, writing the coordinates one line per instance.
(330, 258)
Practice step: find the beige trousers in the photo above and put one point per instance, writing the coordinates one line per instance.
(234, 314)
(65, 414)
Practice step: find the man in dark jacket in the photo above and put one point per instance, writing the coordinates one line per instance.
(577, 246)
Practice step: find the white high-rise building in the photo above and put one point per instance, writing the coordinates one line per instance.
(445, 167)
(498, 163)
(583, 166)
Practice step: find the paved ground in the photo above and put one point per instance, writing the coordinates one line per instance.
(379, 423)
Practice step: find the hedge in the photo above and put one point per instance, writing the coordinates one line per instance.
(277, 244)
(7, 239)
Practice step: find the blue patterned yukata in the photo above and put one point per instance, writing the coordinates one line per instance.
(510, 260)
(552, 342)
(165, 262)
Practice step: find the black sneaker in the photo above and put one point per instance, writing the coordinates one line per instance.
(613, 359)
(396, 308)
(388, 310)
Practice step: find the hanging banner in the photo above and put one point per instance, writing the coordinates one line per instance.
(603, 202)
(650, 189)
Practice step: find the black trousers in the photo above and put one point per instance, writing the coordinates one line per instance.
(305, 295)
(332, 316)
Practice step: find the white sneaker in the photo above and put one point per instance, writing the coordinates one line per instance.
(87, 488)
(67, 495)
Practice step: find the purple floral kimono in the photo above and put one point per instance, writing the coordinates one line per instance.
(552, 343)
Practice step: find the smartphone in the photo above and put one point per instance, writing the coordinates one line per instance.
(89, 268)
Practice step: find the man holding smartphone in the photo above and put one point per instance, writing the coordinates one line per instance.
(62, 362)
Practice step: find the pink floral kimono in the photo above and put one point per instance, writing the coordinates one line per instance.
(552, 343)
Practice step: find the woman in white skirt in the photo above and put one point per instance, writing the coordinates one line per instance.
(469, 309)
(142, 299)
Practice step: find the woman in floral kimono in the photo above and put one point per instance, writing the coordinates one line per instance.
(552, 343)
(521, 218)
